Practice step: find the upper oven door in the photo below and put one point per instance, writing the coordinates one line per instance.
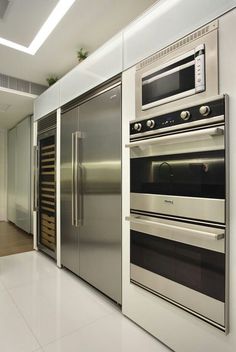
(171, 78)
(182, 174)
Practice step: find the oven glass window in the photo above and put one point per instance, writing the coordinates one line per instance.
(155, 89)
(194, 175)
(197, 268)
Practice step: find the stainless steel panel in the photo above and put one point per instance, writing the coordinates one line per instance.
(100, 192)
(188, 142)
(189, 207)
(192, 234)
(23, 176)
(178, 127)
(69, 232)
(11, 180)
(207, 307)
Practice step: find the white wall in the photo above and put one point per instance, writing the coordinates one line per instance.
(176, 328)
(3, 175)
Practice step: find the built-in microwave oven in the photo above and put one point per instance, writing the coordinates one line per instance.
(178, 78)
(178, 74)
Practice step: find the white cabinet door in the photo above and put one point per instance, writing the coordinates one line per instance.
(167, 22)
(103, 64)
(23, 174)
(47, 102)
(11, 179)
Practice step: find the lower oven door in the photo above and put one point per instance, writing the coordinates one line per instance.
(181, 262)
(182, 175)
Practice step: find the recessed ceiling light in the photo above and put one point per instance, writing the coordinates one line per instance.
(54, 18)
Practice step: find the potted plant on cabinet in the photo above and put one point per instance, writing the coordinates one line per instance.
(51, 80)
(82, 54)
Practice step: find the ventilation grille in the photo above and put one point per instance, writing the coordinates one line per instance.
(180, 43)
(21, 85)
(47, 123)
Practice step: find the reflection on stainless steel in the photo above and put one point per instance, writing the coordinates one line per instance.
(92, 250)
(101, 177)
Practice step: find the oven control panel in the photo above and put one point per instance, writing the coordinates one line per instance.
(202, 114)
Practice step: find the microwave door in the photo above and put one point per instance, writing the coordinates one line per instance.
(177, 79)
(173, 84)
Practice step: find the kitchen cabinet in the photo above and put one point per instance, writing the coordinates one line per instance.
(150, 32)
(103, 64)
(19, 175)
(47, 102)
(11, 182)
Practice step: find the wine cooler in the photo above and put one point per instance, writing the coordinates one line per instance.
(46, 185)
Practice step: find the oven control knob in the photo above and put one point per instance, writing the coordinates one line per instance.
(204, 110)
(137, 126)
(185, 115)
(150, 123)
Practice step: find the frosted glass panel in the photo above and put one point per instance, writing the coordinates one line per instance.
(103, 64)
(47, 102)
(166, 22)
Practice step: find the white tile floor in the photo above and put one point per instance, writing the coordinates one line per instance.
(45, 309)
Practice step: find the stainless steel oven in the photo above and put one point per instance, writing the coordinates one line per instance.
(186, 69)
(183, 262)
(178, 222)
(177, 163)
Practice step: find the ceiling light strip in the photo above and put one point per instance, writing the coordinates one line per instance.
(55, 17)
(14, 45)
(49, 25)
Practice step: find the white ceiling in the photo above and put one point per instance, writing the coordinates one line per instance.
(88, 24)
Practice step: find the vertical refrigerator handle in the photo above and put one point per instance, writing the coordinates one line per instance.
(79, 181)
(76, 190)
(35, 193)
(73, 179)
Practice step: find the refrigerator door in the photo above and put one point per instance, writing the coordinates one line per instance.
(100, 192)
(69, 228)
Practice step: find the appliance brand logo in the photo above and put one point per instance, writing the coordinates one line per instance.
(169, 201)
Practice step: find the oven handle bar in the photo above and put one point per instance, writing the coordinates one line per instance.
(216, 131)
(186, 231)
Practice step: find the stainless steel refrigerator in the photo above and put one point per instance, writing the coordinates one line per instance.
(91, 189)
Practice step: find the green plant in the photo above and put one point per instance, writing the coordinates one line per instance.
(82, 54)
(51, 80)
